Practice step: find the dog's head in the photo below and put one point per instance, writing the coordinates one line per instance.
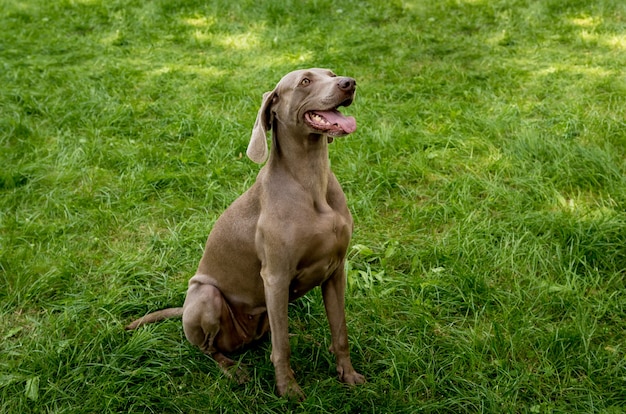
(304, 102)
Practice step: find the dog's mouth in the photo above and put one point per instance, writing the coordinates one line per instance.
(330, 122)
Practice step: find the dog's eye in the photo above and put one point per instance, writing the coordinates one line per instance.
(305, 81)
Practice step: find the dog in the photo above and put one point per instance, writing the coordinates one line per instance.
(285, 235)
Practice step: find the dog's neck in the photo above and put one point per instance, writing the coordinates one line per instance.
(305, 158)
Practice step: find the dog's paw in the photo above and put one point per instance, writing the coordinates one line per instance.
(231, 369)
(238, 373)
(350, 376)
(353, 378)
(290, 390)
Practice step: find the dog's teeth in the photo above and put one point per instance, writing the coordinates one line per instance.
(319, 119)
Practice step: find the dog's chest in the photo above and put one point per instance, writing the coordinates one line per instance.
(324, 248)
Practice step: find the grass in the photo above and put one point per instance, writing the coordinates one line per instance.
(486, 179)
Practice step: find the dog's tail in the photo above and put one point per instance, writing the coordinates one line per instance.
(155, 317)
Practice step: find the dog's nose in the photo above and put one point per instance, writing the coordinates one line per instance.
(347, 84)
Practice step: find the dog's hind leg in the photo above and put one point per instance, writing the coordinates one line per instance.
(207, 323)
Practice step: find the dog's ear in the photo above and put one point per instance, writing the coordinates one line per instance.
(257, 148)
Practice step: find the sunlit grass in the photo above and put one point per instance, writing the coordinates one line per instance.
(486, 179)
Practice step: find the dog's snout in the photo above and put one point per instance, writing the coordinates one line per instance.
(347, 84)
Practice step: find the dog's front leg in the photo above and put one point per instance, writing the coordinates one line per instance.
(333, 292)
(276, 284)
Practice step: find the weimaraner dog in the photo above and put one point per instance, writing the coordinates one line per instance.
(287, 234)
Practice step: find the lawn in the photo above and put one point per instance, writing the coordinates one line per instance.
(487, 269)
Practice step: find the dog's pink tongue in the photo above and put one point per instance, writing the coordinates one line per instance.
(346, 123)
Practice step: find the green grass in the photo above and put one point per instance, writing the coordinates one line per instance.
(487, 182)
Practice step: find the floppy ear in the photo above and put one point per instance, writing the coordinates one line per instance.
(257, 148)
